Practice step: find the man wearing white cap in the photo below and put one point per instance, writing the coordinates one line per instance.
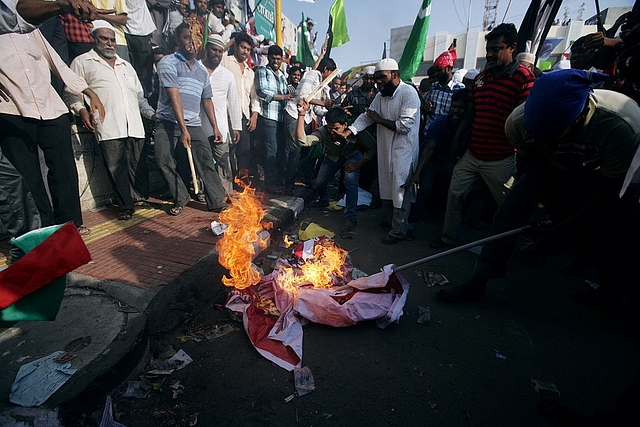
(527, 60)
(396, 111)
(227, 108)
(121, 132)
(361, 97)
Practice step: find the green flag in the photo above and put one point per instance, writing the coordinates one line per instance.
(413, 52)
(304, 54)
(338, 24)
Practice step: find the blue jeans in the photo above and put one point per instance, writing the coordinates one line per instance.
(328, 169)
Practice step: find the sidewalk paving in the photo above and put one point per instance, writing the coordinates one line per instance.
(147, 274)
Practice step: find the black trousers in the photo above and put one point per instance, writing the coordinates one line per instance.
(18, 211)
(141, 59)
(20, 139)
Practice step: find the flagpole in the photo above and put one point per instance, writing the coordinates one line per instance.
(278, 23)
(469, 17)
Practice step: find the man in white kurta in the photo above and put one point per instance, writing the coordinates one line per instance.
(227, 108)
(121, 132)
(396, 111)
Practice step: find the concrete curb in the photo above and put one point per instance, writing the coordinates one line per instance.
(118, 318)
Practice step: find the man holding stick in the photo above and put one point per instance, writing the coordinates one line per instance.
(186, 84)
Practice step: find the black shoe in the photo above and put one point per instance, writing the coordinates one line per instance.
(385, 223)
(464, 293)
(391, 240)
(410, 235)
(560, 415)
(440, 244)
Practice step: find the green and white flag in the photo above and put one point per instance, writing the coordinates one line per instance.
(338, 24)
(413, 52)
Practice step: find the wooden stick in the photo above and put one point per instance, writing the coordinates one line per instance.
(325, 82)
(196, 187)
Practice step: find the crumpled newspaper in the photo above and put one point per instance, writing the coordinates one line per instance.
(36, 381)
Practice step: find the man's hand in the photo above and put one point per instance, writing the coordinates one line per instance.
(83, 9)
(236, 136)
(4, 93)
(303, 107)
(347, 109)
(217, 136)
(351, 166)
(185, 138)
(97, 109)
(252, 123)
(88, 120)
(347, 133)
(373, 115)
(413, 179)
(328, 103)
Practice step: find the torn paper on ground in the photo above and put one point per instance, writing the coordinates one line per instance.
(36, 381)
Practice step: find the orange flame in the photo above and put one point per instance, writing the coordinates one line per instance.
(321, 271)
(287, 242)
(241, 241)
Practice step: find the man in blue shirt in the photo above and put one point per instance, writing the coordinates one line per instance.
(272, 91)
(184, 84)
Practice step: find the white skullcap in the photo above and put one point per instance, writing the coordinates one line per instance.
(526, 57)
(459, 75)
(99, 23)
(369, 70)
(387, 64)
(215, 39)
(471, 74)
(260, 38)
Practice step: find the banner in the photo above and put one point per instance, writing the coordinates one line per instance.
(338, 24)
(265, 14)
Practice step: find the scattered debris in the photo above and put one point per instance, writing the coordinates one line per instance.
(178, 361)
(545, 387)
(312, 231)
(177, 389)
(289, 398)
(193, 419)
(65, 357)
(137, 389)
(218, 228)
(78, 344)
(304, 380)
(36, 381)
(107, 416)
(593, 285)
(424, 315)
(433, 279)
(499, 355)
(219, 331)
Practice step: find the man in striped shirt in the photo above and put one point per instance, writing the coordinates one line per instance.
(495, 93)
(184, 84)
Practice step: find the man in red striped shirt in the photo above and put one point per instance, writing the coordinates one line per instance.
(495, 93)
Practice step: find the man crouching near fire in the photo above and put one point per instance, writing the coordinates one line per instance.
(338, 153)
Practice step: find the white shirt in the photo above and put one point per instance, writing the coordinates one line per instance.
(308, 83)
(139, 19)
(119, 90)
(225, 103)
(244, 83)
(397, 151)
(25, 71)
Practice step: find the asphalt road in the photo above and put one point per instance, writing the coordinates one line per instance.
(471, 365)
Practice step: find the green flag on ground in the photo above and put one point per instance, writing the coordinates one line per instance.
(413, 52)
(338, 24)
(304, 54)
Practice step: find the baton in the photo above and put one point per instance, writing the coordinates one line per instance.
(194, 178)
(462, 248)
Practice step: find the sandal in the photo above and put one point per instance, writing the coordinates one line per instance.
(175, 210)
(125, 214)
(84, 231)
